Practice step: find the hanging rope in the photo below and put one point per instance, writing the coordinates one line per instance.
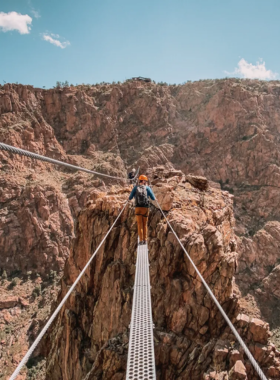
(233, 329)
(42, 333)
(22, 152)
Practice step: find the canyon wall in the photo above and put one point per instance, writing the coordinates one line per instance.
(225, 130)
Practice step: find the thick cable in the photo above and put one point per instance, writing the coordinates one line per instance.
(22, 152)
(42, 333)
(233, 329)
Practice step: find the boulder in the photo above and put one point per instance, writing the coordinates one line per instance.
(8, 302)
(238, 371)
(200, 183)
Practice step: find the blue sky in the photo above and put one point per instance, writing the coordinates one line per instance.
(90, 41)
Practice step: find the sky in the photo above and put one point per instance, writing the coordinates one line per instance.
(90, 41)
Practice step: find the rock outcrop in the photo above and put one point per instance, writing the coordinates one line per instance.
(36, 227)
(25, 304)
(90, 338)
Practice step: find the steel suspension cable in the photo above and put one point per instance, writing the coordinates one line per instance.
(42, 333)
(22, 152)
(233, 329)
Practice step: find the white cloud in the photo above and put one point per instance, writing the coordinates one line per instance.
(250, 71)
(54, 41)
(35, 13)
(15, 21)
(55, 35)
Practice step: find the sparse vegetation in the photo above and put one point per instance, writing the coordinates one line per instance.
(61, 84)
(36, 309)
(29, 273)
(37, 291)
(4, 275)
(36, 368)
(16, 273)
(13, 283)
(53, 275)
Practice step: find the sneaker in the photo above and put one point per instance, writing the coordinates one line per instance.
(144, 242)
(140, 242)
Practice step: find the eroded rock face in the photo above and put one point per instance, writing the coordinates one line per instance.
(259, 255)
(36, 227)
(219, 129)
(258, 275)
(90, 338)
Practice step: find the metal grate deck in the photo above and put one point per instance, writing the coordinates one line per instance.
(141, 358)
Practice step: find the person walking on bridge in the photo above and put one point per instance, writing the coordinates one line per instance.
(131, 174)
(141, 193)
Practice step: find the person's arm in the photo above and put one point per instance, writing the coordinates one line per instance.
(132, 194)
(150, 193)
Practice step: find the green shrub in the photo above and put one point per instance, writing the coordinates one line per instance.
(52, 275)
(37, 291)
(13, 283)
(29, 273)
(4, 275)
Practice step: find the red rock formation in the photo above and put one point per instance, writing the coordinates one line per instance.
(25, 303)
(90, 338)
(36, 227)
(220, 129)
(226, 130)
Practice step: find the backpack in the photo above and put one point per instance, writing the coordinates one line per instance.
(141, 197)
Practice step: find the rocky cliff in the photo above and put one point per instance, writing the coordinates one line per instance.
(90, 338)
(226, 130)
